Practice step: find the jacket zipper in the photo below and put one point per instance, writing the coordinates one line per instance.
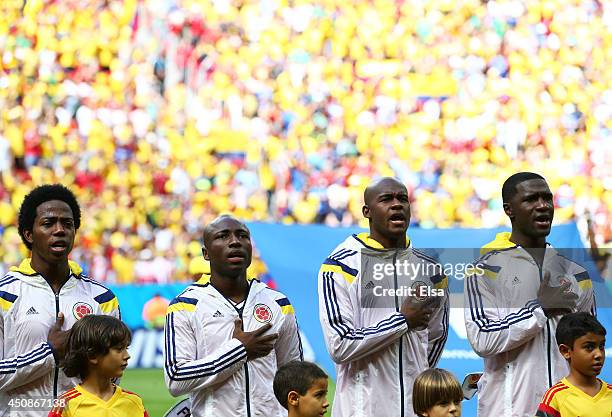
(548, 340)
(56, 371)
(246, 364)
(401, 354)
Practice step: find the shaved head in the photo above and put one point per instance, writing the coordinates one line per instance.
(212, 226)
(376, 186)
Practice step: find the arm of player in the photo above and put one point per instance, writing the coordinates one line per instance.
(288, 346)
(491, 332)
(549, 407)
(344, 341)
(183, 372)
(438, 330)
(24, 368)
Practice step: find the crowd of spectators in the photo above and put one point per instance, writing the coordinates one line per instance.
(162, 114)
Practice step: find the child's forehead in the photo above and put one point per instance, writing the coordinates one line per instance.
(318, 384)
(591, 337)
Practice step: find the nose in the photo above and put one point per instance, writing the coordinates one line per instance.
(234, 241)
(59, 228)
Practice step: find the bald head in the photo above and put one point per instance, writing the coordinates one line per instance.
(377, 186)
(217, 223)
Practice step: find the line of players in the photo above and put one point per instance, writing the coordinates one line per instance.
(226, 335)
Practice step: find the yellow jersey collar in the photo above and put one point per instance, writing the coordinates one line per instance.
(365, 238)
(25, 267)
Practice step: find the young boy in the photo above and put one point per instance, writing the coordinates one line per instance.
(436, 393)
(97, 353)
(581, 339)
(301, 387)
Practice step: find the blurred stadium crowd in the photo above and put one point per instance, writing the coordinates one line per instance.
(161, 114)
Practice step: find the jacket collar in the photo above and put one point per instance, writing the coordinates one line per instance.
(25, 268)
(368, 241)
(29, 275)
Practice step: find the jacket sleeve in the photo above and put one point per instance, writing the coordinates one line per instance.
(183, 372)
(586, 301)
(288, 346)
(22, 369)
(345, 341)
(438, 327)
(109, 304)
(490, 329)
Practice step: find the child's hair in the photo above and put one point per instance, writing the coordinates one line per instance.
(295, 376)
(575, 325)
(432, 387)
(92, 336)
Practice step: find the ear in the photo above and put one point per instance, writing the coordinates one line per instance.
(27, 234)
(293, 398)
(508, 210)
(365, 210)
(565, 351)
(205, 253)
(93, 361)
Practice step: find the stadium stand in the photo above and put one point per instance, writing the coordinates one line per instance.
(161, 114)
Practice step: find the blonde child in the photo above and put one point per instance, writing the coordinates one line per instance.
(437, 393)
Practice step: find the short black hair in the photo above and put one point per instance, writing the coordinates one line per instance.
(92, 336)
(509, 187)
(575, 325)
(295, 376)
(40, 195)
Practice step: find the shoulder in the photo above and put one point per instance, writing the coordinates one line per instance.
(278, 298)
(553, 393)
(188, 300)
(132, 396)
(9, 290)
(103, 295)
(344, 259)
(347, 249)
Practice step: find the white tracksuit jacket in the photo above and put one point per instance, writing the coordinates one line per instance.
(203, 360)
(508, 328)
(28, 310)
(377, 356)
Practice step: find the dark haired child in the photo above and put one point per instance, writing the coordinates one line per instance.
(97, 353)
(582, 341)
(301, 387)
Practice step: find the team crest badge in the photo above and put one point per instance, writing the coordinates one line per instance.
(419, 289)
(262, 313)
(80, 310)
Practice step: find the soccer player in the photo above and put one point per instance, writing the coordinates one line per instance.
(97, 354)
(226, 336)
(301, 387)
(516, 304)
(381, 326)
(582, 341)
(42, 298)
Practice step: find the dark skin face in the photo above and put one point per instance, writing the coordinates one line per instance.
(227, 246)
(388, 210)
(52, 238)
(531, 212)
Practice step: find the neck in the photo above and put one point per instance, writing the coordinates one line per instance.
(527, 241)
(55, 274)
(99, 385)
(582, 381)
(393, 242)
(235, 288)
